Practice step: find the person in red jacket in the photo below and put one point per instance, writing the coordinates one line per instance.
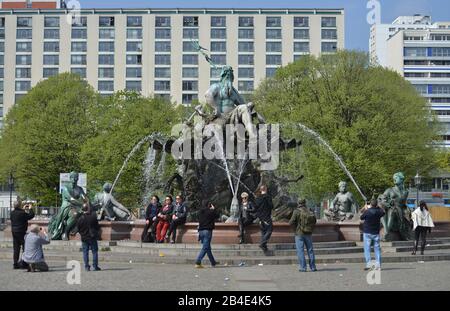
(164, 216)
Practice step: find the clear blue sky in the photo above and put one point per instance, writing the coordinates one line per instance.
(357, 28)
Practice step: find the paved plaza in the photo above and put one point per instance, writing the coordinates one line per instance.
(330, 277)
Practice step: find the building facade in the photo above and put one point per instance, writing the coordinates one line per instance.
(150, 50)
(420, 51)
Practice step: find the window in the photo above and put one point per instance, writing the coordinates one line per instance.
(301, 47)
(51, 33)
(106, 33)
(162, 85)
(23, 73)
(329, 34)
(245, 86)
(79, 71)
(190, 72)
(218, 33)
(134, 21)
(134, 59)
(301, 34)
(245, 34)
(162, 33)
(106, 21)
(79, 34)
(162, 72)
(215, 72)
(273, 46)
(415, 52)
(245, 21)
(134, 72)
(246, 73)
(134, 33)
(246, 60)
(190, 21)
(163, 96)
(273, 33)
(329, 46)
(79, 46)
(162, 59)
(134, 46)
(18, 97)
(23, 86)
(2, 33)
(51, 60)
(24, 33)
(162, 21)
(51, 46)
(134, 86)
(2, 47)
(188, 47)
(246, 47)
(2, 22)
(440, 89)
(273, 21)
(23, 47)
(188, 98)
(106, 59)
(78, 21)
(421, 88)
(218, 21)
(328, 21)
(190, 59)
(219, 59)
(78, 59)
(270, 72)
(439, 75)
(273, 59)
(162, 46)
(107, 46)
(51, 22)
(106, 86)
(190, 85)
(190, 33)
(301, 21)
(23, 59)
(24, 22)
(440, 52)
(106, 72)
(48, 72)
(218, 46)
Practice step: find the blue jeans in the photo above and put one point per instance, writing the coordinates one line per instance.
(205, 237)
(86, 245)
(300, 243)
(368, 238)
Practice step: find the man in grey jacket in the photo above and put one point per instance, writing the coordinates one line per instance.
(33, 254)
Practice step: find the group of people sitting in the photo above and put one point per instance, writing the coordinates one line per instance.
(162, 220)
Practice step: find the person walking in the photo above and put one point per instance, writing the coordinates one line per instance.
(372, 214)
(151, 220)
(264, 208)
(422, 223)
(304, 222)
(89, 230)
(246, 215)
(163, 218)
(33, 256)
(19, 225)
(178, 218)
(206, 224)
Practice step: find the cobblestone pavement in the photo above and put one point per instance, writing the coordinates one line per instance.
(397, 276)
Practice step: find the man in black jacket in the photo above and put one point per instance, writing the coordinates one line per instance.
(206, 224)
(264, 208)
(178, 218)
(19, 226)
(89, 230)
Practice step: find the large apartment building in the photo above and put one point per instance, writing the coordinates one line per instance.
(150, 50)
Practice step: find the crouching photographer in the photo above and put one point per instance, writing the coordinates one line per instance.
(33, 255)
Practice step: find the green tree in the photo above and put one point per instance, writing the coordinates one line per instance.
(372, 117)
(44, 132)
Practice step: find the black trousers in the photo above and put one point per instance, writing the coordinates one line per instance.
(266, 232)
(244, 222)
(149, 236)
(173, 227)
(18, 242)
(420, 233)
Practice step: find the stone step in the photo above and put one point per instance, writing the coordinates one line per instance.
(428, 247)
(411, 243)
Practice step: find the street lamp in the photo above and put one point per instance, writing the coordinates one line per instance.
(11, 186)
(417, 180)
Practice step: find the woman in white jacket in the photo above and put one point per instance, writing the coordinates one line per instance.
(422, 224)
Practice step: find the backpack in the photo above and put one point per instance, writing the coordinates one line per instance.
(307, 221)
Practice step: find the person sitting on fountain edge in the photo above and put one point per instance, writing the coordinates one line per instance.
(151, 220)
(164, 217)
(246, 216)
(264, 207)
(178, 218)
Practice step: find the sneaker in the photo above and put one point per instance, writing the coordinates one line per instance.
(301, 270)
(88, 268)
(199, 266)
(314, 270)
(367, 268)
(215, 264)
(172, 242)
(97, 269)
